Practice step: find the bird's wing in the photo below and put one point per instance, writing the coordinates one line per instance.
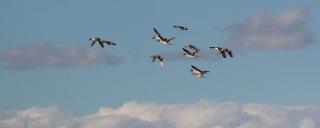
(160, 58)
(218, 48)
(175, 26)
(215, 48)
(223, 54)
(180, 27)
(195, 68)
(153, 58)
(108, 42)
(101, 44)
(185, 50)
(93, 42)
(194, 47)
(230, 53)
(190, 46)
(171, 39)
(157, 32)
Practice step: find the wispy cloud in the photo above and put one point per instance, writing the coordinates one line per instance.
(203, 114)
(49, 56)
(288, 30)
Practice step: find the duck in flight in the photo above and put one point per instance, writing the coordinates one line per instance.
(184, 28)
(100, 41)
(223, 51)
(155, 57)
(190, 54)
(161, 39)
(191, 51)
(198, 72)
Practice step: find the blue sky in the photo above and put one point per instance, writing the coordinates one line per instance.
(273, 75)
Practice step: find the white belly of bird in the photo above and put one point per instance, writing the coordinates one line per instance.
(161, 63)
(190, 56)
(197, 74)
(163, 42)
(157, 38)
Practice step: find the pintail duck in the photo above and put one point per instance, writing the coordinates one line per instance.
(180, 27)
(160, 58)
(100, 41)
(162, 39)
(198, 72)
(223, 51)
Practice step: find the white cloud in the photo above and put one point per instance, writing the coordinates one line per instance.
(203, 114)
(35, 117)
(263, 31)
(48, 56)
(307, 123)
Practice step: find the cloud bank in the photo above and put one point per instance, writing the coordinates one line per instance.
(263, 31)
(202, 114)
(49, 56)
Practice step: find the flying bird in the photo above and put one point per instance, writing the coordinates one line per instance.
(100, 41)
(180, 27)
(189, 54)
(161, 39)
(155, 57)
(198, 72)
(223, 51)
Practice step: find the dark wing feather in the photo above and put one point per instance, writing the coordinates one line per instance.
(160, 58)
(185, 50)
(108, 42)
(93, 42)
(153, 58)
(171, 39)
(230, 53)
(180, 27)
(223, 54)
(194, 47)
(101, 44)
(216, 48)
(157, 32)
(194, 67)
